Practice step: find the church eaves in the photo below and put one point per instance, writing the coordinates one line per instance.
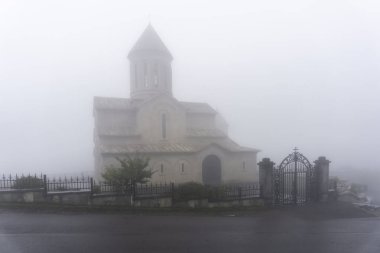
(150, 41)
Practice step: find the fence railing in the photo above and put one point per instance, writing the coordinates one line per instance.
(87, 184)
(151, 190)
(68, 184)
(234, 192)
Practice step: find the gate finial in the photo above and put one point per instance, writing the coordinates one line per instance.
(295, 149)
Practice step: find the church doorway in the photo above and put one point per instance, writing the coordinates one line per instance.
(211, 170)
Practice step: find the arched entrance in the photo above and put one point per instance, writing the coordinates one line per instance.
(294, 180)
(211, 170)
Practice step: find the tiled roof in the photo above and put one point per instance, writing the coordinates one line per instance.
(111, 103)
(116, 131)
(198, 107)
(197, 132)
(148, 148)
(234, 147)
(169, 148)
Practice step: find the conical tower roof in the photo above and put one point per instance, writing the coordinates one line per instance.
(149, 41)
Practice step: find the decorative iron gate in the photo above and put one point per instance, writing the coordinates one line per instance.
(294, 180)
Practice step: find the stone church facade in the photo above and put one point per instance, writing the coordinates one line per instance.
(185, 141)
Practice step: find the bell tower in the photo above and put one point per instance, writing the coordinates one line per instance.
(150, 66)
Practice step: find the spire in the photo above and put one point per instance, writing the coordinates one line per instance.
(149, 41)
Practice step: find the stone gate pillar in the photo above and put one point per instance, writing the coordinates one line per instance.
(322, 173)
(266, 179)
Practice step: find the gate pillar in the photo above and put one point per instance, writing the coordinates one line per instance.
(322, 178)
(266, 179)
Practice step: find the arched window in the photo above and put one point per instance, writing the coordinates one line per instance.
(146, 79)
(165, 77)
(136, 76)
(182, 167)
(163, 125)
(155, 75)
(162, 168)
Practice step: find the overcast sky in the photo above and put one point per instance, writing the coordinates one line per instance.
(282, 73)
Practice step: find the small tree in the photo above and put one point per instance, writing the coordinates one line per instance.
(132, 170)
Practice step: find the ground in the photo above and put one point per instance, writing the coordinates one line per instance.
(315, 228)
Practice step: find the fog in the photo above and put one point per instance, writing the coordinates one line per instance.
(282, 73)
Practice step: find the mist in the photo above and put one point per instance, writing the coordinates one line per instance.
(282, 74)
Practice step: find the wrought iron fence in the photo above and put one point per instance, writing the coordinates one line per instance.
(233, 192)
(138, 190)
(152, 190)
(104, 187)
(178, 192)
(68, 184)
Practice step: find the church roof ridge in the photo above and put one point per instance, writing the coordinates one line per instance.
(150, 41)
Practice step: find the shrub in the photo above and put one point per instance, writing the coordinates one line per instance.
(96, 189)
(358, 188)
(190, 191)
(217, 193)
(28, 182)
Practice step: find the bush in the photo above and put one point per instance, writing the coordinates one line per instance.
(28, 182)
(188, 191)
(96, 189)
(217, 193)
(358, 188)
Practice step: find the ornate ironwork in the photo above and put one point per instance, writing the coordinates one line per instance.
(295, 157)
(294, 180)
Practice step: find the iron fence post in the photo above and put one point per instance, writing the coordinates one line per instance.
(172, 190)
(45, 186)
(134, 190)
(268, 181)
(92, 186)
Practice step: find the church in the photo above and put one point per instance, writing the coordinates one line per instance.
(185, 141)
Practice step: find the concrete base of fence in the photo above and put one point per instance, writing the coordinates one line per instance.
(153, 202)
(237, 203)
(110, 200)
(194, 203)
(84, 198)
(204, 203)
(22, 196)
(68, 197)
